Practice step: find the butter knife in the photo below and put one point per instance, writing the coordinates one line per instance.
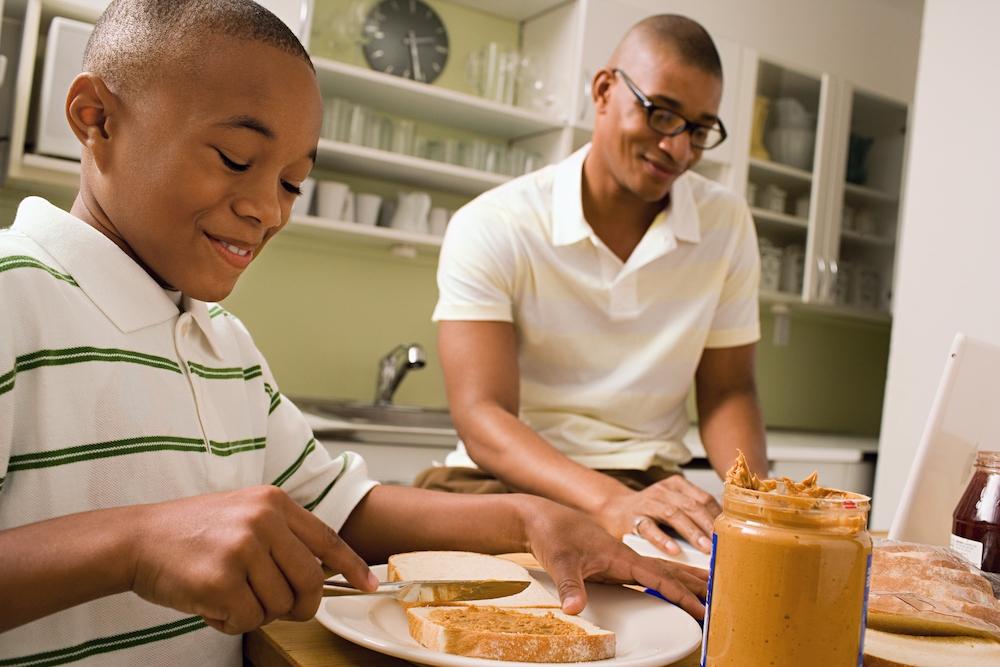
(433, 591)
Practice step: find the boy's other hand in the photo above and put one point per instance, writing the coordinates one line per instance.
(572, 547)
(239, 559)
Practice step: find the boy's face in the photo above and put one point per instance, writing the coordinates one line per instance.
(204, 166)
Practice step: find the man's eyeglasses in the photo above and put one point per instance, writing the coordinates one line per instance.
(669, 122)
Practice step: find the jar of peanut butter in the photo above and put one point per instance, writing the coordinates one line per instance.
(789, 575)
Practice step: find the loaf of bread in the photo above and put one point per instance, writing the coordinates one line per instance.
(924, 590)
(883, 649)
(527, 627)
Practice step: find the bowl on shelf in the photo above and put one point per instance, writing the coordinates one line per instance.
(792, 146)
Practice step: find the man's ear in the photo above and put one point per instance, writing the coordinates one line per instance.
(90, 107)
(600, 89)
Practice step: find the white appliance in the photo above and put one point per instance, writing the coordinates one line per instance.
(64, 48)
(962, 421)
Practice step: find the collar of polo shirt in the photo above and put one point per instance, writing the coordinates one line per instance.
(117, 285)
(679, 220)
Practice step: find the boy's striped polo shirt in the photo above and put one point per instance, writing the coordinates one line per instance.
(111, 395)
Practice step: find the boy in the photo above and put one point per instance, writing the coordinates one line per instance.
(153, 481)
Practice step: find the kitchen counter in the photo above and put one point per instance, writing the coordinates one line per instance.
(309, 644)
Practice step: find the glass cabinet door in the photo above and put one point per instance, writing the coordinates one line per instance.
(781, 188)
(866, 221)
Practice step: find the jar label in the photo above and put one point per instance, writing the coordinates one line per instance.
(708, 601)
(970, 550)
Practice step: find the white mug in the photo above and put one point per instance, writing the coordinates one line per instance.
(366, 208)
(411, 212)
(334, 201)
(437, 220)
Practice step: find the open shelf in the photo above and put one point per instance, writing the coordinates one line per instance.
(406, 169)
(432, 104)
(400, 243)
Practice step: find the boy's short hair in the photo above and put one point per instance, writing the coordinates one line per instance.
(135, 39)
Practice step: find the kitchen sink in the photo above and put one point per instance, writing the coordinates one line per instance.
(362, 416)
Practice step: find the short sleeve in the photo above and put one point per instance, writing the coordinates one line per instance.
(476, 268)
(737, 317)
(328, 486)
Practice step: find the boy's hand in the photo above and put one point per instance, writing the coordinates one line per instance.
(572, 547)
(239, 559)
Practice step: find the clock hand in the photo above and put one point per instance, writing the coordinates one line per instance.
(411, 41)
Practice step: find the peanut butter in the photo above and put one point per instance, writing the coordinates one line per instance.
(496, 619)
(789, 574)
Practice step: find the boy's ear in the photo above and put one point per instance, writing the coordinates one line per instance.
(90, 107)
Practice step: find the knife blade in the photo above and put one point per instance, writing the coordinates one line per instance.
(426, 592)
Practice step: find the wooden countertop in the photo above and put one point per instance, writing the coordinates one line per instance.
(309, 644)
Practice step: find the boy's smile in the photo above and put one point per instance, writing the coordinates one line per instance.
(199, 168)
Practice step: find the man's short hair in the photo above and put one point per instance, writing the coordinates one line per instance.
(135, 39)
(690, 40)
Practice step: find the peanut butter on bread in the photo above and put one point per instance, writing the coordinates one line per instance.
(504, 621)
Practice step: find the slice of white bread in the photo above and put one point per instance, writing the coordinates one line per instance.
(522, 635)
(527, 627)
(884, 649)
(443, 565)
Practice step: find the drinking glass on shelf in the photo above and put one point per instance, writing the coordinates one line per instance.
(492, 72)
(403, 133)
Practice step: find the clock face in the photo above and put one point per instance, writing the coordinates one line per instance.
(406, 38)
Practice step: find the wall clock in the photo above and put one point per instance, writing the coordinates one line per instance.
(406, 38)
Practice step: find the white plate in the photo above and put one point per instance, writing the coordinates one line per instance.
(649, 632)
(688, 554)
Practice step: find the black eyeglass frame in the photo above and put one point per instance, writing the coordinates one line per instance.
(688, 126)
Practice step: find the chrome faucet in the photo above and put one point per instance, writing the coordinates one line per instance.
(393, 367)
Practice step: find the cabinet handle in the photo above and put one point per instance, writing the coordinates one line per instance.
(821, 284)
(832, 295)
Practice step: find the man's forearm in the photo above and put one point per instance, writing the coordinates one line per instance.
(503, 445)
(59, 563)
(731, 423)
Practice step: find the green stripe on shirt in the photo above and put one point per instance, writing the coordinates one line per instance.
(126, 446)
(76, 355)
(107, 644)
(232, 373)
(236, 446)
(311, 506)
(283, 477)
(217, 310)
(100, 450)
(24, 261)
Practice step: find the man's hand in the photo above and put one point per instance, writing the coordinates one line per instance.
(571, 548)
(239, 559)
(675, 502)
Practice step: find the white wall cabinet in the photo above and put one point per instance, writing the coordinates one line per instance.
(836, 239)
(844, 236)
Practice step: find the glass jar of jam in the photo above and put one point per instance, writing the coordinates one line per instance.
(975, 527)
(789, 576)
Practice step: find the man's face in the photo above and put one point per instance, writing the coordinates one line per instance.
(643, 161)
(204, 167)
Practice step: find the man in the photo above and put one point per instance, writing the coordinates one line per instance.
(585, 298)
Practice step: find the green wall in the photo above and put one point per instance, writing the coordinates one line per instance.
(324, 312)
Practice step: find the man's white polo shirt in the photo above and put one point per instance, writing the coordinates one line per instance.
(607, 350)
(111, 396)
